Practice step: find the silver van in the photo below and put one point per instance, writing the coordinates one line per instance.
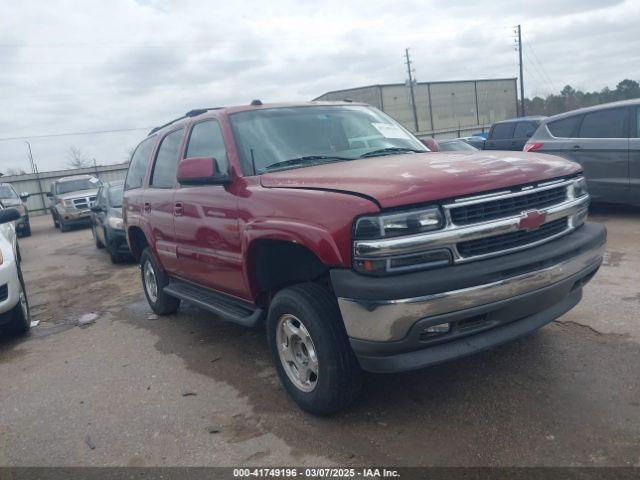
(605, 140)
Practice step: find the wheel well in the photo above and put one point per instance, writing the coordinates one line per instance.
(138, 242)
(275, 264)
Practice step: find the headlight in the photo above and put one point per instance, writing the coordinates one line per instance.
(66, 203)
(399, 224)
(580, 188)
(115, 220)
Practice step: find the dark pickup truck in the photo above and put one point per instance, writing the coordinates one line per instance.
(511, 134)
(354, 245)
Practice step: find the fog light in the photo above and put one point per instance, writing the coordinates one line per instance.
(435, 330)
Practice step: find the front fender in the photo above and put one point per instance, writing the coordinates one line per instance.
(312, 236)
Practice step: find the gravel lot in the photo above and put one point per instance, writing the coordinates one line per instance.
(134, 390)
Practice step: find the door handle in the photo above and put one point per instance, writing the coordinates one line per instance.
(577, 147)
(178, 209)
(147, 207)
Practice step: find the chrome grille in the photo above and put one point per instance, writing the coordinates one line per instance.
(508, 241)
(508, 206)
(84, 203)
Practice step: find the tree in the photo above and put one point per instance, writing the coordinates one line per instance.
(15, 171)
(76, 158)
(628, 89)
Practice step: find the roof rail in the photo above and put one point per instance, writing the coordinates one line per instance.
(189, 114)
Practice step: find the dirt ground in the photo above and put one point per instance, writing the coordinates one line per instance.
(134, 390)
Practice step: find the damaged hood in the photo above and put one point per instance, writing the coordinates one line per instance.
(397, 180)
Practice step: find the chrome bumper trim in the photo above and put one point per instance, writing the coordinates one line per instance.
(390, 320)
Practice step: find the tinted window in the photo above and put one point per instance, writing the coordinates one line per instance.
(638, 122)
(564, 128)
(206, 141)
(502, 130)
(139, 162)
(604, 124)
(164, 170)
(524, 129)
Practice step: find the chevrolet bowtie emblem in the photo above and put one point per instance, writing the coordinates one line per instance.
(532, 220)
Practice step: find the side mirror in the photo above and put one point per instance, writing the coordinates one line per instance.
(430, 143)
(200, 171)
(96, 208)
(24, 196)
(49, 194)
(9, 215)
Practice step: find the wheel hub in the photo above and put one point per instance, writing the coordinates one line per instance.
(297, 352)
(150, 283)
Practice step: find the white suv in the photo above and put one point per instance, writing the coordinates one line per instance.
(14, 308)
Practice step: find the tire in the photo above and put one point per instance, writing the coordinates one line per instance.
(63, 227)
(99, 244)
(160, 302)
(338, 378)
(55, 221)
(115, 257)
(20, 322)
(27, 230)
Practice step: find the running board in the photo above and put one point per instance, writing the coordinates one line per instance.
(227, 307)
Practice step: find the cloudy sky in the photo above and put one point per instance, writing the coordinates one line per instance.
(88, 66)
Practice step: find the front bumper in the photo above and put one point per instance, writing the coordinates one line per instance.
(9, 287)
(485, 303)
(74, 216)
(118, 242)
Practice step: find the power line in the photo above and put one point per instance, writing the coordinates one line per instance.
(541, 65)
(70, 134)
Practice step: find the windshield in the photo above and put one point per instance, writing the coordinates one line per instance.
(115, 196)
(7, 192)
(324, 133)
(456, 146)
(77, 185)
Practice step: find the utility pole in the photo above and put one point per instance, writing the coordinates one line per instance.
(413, 97)
(34, 169)
(519, 48)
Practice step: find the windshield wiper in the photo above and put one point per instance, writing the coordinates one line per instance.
(389, 151)
(292, 162)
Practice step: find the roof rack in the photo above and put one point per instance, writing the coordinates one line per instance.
(189, 114)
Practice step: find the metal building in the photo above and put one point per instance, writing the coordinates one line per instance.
(443, 109)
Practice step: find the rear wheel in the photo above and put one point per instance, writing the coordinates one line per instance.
(154, 280)
(309, 344)
(20, 322)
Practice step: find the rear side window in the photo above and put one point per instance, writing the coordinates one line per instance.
(138, 165)
(502, 130)
(609, 123)
(164, 170)
(206, 141)
(524, 129)
(564, 128)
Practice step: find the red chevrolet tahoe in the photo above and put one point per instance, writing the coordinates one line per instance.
(356, 246)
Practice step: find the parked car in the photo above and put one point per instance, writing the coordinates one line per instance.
(15, 315)
(10, 199)
(71, 199)
(475, 141)
(511, 134)
(455, 145)
(605, 140)
(357, 247)
(106, 222)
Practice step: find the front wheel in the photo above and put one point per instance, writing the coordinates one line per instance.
(309, 344)
(154, 280)
(99, 244)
